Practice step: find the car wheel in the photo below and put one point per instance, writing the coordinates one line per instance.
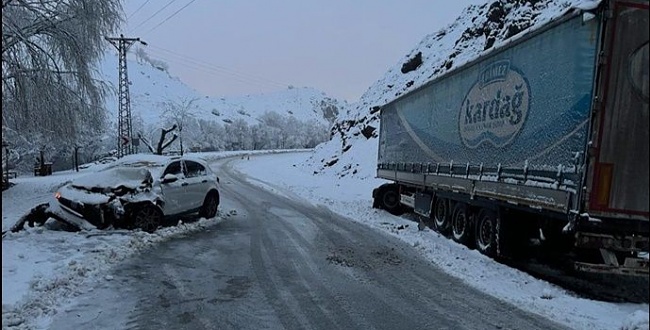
(148, 218)
(461, 226)
(441, 221)
(210, 205)
(486, 233)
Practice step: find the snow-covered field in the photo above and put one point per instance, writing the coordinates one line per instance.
(44, 269)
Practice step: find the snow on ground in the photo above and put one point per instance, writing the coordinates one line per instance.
(351, 196)
(43, 268)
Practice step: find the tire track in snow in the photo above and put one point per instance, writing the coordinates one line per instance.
(413, 289)
(185, 293)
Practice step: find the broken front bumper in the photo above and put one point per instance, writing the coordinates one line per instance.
(65, 214)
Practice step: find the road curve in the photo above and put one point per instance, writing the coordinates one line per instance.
(281, 263)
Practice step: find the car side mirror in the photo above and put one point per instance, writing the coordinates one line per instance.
(169, 178)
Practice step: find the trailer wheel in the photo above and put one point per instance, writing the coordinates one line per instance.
(441, 222)
(486, 233)
(387, 198)
(461, 226)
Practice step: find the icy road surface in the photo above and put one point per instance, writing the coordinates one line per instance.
(282, 263)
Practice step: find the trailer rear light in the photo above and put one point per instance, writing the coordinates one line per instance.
(605, 173)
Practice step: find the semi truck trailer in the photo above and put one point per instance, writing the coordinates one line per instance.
(542, 141)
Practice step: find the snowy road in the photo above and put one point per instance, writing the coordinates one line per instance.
(283, 263)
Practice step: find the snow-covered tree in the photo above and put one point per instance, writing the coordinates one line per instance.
(211, 136)
(259, 137)
(313, 133)
(287, 132)
(179, 113)
(238, 136)
(49, 49)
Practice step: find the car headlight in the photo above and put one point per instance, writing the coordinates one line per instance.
(57, 195)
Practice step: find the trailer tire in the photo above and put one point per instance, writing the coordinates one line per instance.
(440, 215)
(387, 198)
(461, 224)
(486, 233)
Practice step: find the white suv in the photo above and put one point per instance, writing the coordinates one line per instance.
(138, 191)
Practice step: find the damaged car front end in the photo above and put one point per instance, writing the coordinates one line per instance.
(114, 197)
(138, 191)
(121, 197)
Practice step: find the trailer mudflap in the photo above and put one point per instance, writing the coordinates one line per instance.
(422, 204)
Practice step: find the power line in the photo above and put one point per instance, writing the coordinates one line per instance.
(154, 14)
(170, 16)
(218, 72)
(221, 68)
(142, 5)
(239, 76)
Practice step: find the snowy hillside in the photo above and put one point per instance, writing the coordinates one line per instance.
(151, 85)
(296, 117)
(479, 30)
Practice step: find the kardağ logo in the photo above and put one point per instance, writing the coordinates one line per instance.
(495, 108)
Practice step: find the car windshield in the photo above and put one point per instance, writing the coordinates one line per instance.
(136, 164)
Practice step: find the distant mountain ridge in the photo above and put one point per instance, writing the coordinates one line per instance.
(151, 84)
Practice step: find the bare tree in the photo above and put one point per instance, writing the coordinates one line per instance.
(49, 49)
(180, 112)
(163, 142)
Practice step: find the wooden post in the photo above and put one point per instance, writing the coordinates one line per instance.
(6, 146)
(76, 158)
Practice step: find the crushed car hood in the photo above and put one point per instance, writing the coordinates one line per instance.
(131, 178)
(83, 196)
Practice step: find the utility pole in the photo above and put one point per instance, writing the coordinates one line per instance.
(5, 145)
(76, 157)
(124, 129)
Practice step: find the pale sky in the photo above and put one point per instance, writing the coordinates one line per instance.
(240, 47)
